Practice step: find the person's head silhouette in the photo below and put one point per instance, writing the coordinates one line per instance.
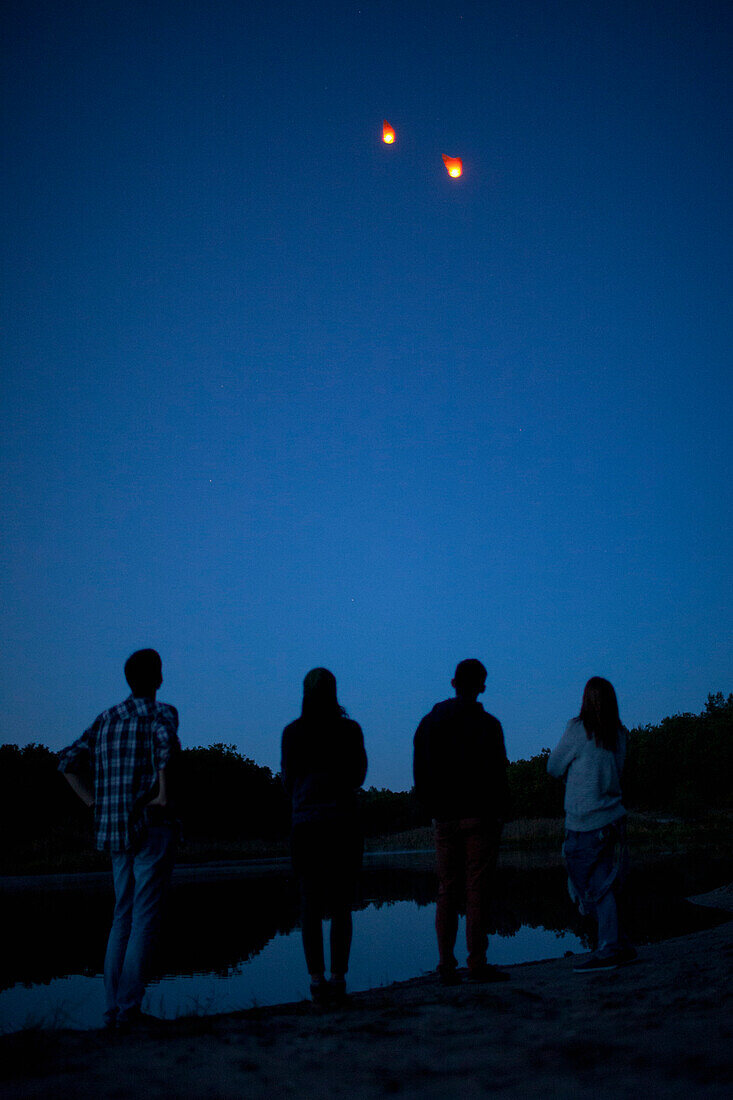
(599, 712)
(144, 673)
(470, 679)
(319, 695)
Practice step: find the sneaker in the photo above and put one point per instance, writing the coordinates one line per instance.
(337, 990)
(593, 964)
(487, 972)
(137, 1020)
(625, 956)
(449, 975)
(320, 993)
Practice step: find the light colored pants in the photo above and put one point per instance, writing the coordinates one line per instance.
(141, 880)
(595, 859)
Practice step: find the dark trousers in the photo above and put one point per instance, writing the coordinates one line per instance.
(327, 859)
(466, 851)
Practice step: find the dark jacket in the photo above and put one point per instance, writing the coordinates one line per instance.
(322, 768)
(460, 762)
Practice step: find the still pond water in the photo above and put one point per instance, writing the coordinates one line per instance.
(231, 938)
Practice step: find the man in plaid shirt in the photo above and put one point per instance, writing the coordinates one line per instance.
(128, 749)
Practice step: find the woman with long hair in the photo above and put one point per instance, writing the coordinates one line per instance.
(323, 766)
(590, 758)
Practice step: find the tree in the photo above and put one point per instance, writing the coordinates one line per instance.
(225, 795)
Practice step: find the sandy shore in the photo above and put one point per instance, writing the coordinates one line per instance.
(660, 1027)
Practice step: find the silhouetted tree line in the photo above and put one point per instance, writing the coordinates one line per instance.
(683, 765)
(532, 792)
(221, 795)
(224, 795)
(33, 796)
(384, 811)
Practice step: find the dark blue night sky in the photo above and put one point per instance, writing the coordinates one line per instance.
(278, 395)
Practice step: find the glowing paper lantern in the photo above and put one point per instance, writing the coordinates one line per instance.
(387, 133)
(454, 166)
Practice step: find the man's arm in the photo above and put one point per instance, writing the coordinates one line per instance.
(80, 788)
(502, 778)
(75, 760)
(502, 747)
(165, 735)
(422, 766)
(166, 747)
(161, 798)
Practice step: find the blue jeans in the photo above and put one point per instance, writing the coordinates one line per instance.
(141, 879)
(594, 860)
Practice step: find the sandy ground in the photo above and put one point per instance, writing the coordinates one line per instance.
(661, 1027)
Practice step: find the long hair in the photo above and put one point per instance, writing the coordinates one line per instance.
(320, 702)
(599, 713)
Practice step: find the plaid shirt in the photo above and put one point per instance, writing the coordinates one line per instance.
(126, 747)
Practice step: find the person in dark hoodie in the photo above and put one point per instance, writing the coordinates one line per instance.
(461, 780)
(323, 765)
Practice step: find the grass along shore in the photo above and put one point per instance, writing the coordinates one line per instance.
(649, 834)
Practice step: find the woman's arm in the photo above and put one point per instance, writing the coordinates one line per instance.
(286, 754)
(360, 757)
(623, 741)
(564, 753)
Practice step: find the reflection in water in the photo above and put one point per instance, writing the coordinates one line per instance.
(233, 942)
(392, 942)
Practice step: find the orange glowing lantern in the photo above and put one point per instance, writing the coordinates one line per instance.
(388, 134)
(454, 166)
